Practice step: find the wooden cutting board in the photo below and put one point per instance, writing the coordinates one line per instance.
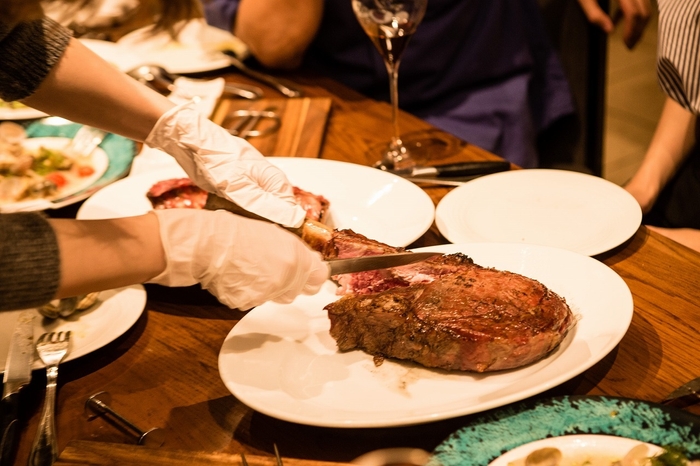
(81, 452)
(301, 129)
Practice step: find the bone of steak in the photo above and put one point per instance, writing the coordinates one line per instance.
(447, 312)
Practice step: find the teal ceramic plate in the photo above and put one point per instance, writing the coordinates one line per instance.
(497, 432)
(120, 152)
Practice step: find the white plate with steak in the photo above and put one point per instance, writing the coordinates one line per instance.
(369, 201)
(559, 208)
(282, 360)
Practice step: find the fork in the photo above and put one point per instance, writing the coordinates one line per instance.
(85, 141)
(52, 348)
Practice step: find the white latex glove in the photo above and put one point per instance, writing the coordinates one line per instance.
(226, 165)
(242, 262)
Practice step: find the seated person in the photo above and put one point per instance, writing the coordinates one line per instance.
(667, 184)
(484, 71)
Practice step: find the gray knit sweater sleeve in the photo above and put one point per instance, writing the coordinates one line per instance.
(29, 261)
(28, 51)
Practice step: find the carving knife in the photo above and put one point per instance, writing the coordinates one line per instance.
(381, 261)
(481, 167)
(18, 373)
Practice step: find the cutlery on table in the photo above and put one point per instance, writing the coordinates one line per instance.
(18, 373)
(163, 81)
(439, 181)
(481, 167)
(85, 141)
(52, 348)
(98, 404)
(246, 126)
(285, 88)
(687, 389)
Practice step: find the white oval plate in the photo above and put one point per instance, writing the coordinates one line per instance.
(371, 202)
(281, 360)
(590, 450)
(22, 113)
(115, 312)
(558, 208)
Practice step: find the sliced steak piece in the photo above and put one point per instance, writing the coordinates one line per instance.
(460, 316)
(183, 193)
(177, 193)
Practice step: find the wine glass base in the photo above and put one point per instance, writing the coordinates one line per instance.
(423, 147)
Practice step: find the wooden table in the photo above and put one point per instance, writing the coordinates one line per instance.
(163, 371)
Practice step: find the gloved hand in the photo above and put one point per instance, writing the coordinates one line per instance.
(243, 262)
(226, 165)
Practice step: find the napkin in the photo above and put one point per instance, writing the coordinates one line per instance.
(196, 47)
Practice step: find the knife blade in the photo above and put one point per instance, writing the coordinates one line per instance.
(481, 167)
(18, 373)
(687, 389)
(381, 261)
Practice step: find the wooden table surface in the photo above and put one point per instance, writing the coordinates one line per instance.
(163, 371)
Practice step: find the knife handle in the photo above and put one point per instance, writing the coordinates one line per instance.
(9, 425)
(471, 168)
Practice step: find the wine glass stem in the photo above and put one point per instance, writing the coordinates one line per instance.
(393, 70)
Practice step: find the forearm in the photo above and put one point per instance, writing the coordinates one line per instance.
(672, 140)
(278, 32)
(82, 87)
(106, 254)
(685, 236)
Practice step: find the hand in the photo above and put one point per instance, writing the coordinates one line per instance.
(644, 191)
(242, 262)
(226, 165)
(636, 14)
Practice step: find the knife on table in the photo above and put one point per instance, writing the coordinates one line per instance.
(481, 167)
(18, 373)
(380, 261)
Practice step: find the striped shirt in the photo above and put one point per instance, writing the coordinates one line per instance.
(678, 55)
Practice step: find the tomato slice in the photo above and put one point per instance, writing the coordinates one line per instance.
(57, 179)
(85, 170)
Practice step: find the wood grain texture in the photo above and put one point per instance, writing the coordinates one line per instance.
(100, 453)
(301, 129)
(164, 371)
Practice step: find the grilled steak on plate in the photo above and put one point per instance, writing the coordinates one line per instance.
(448, 312)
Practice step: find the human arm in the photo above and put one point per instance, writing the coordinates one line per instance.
(278, 32)
(636, 14)
(242, 262)
(109, 99)
(686, 236)
(107, 254)
(672, 140)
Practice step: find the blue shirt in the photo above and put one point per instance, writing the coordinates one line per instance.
(483, 70)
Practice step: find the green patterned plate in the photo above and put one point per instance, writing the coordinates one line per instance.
(502, 430)
(120, 153)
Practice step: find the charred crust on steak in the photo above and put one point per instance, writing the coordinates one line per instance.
(457, 316)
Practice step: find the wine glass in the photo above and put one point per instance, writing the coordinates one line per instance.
(390, 24)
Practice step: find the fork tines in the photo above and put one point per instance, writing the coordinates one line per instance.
(53, 337)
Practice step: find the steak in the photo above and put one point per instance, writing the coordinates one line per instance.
(448, 312)
(179, 193)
